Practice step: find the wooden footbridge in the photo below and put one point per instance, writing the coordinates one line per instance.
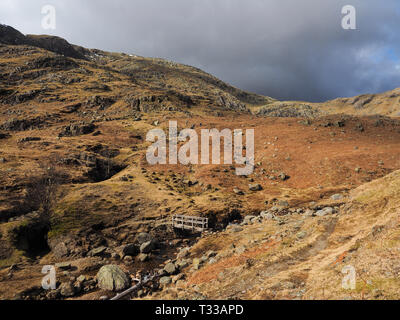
(190, 223)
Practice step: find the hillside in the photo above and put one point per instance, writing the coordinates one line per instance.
(73, 125)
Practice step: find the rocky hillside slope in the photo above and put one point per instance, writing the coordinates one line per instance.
(77, 192)
(302, 253)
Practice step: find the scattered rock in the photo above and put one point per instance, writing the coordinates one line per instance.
(238, 192)
(64, 265)
(283, 176)
(183, 253)
(170, 268)
(248, 219)
(147, 247)
(67, 289)
(128, 260)
(182, 264)
(309, 213)
(165, 281)
(196, 263)
(53, 294)
(130, 250)
(115, 256)
(266, 215)
(143, 257)
(61, 250)
(97, 252)
(337, 197)
(301, 235)
(283, 203)
(235, 228)
(324, 212)
(178, 277)
(143, 237)
(255, 187)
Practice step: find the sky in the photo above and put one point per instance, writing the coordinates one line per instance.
(286, 49)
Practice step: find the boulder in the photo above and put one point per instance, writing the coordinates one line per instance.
(183, 253)
(283, 176)
(337, 197)
(143, 257)
(165, 281)
(324, 212)
(67, 289)
(112, 278)
(170, 268)
(178, 277)
(236, 228)
(60, 250)
(143, 237)
(147, 247)
(309, 213)
(238, 191)
(130, 250)
(266, 215)
(248, 219)
(283, 203)
(255, 187)
(256, 220)
(182, 264)
(196, 263)
(97, 252)
(128, 260)
(64, 265)
(301, 235)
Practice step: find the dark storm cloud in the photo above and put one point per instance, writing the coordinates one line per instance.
(287, 49)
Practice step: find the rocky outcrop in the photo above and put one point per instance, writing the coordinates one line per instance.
(10, 36)
(22, 124)
(75, 129)
(287, 110)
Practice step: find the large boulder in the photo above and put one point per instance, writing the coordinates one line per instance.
(255, 187)
(147, 247)
(112, 278)
(170, 268)
(129, 250)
